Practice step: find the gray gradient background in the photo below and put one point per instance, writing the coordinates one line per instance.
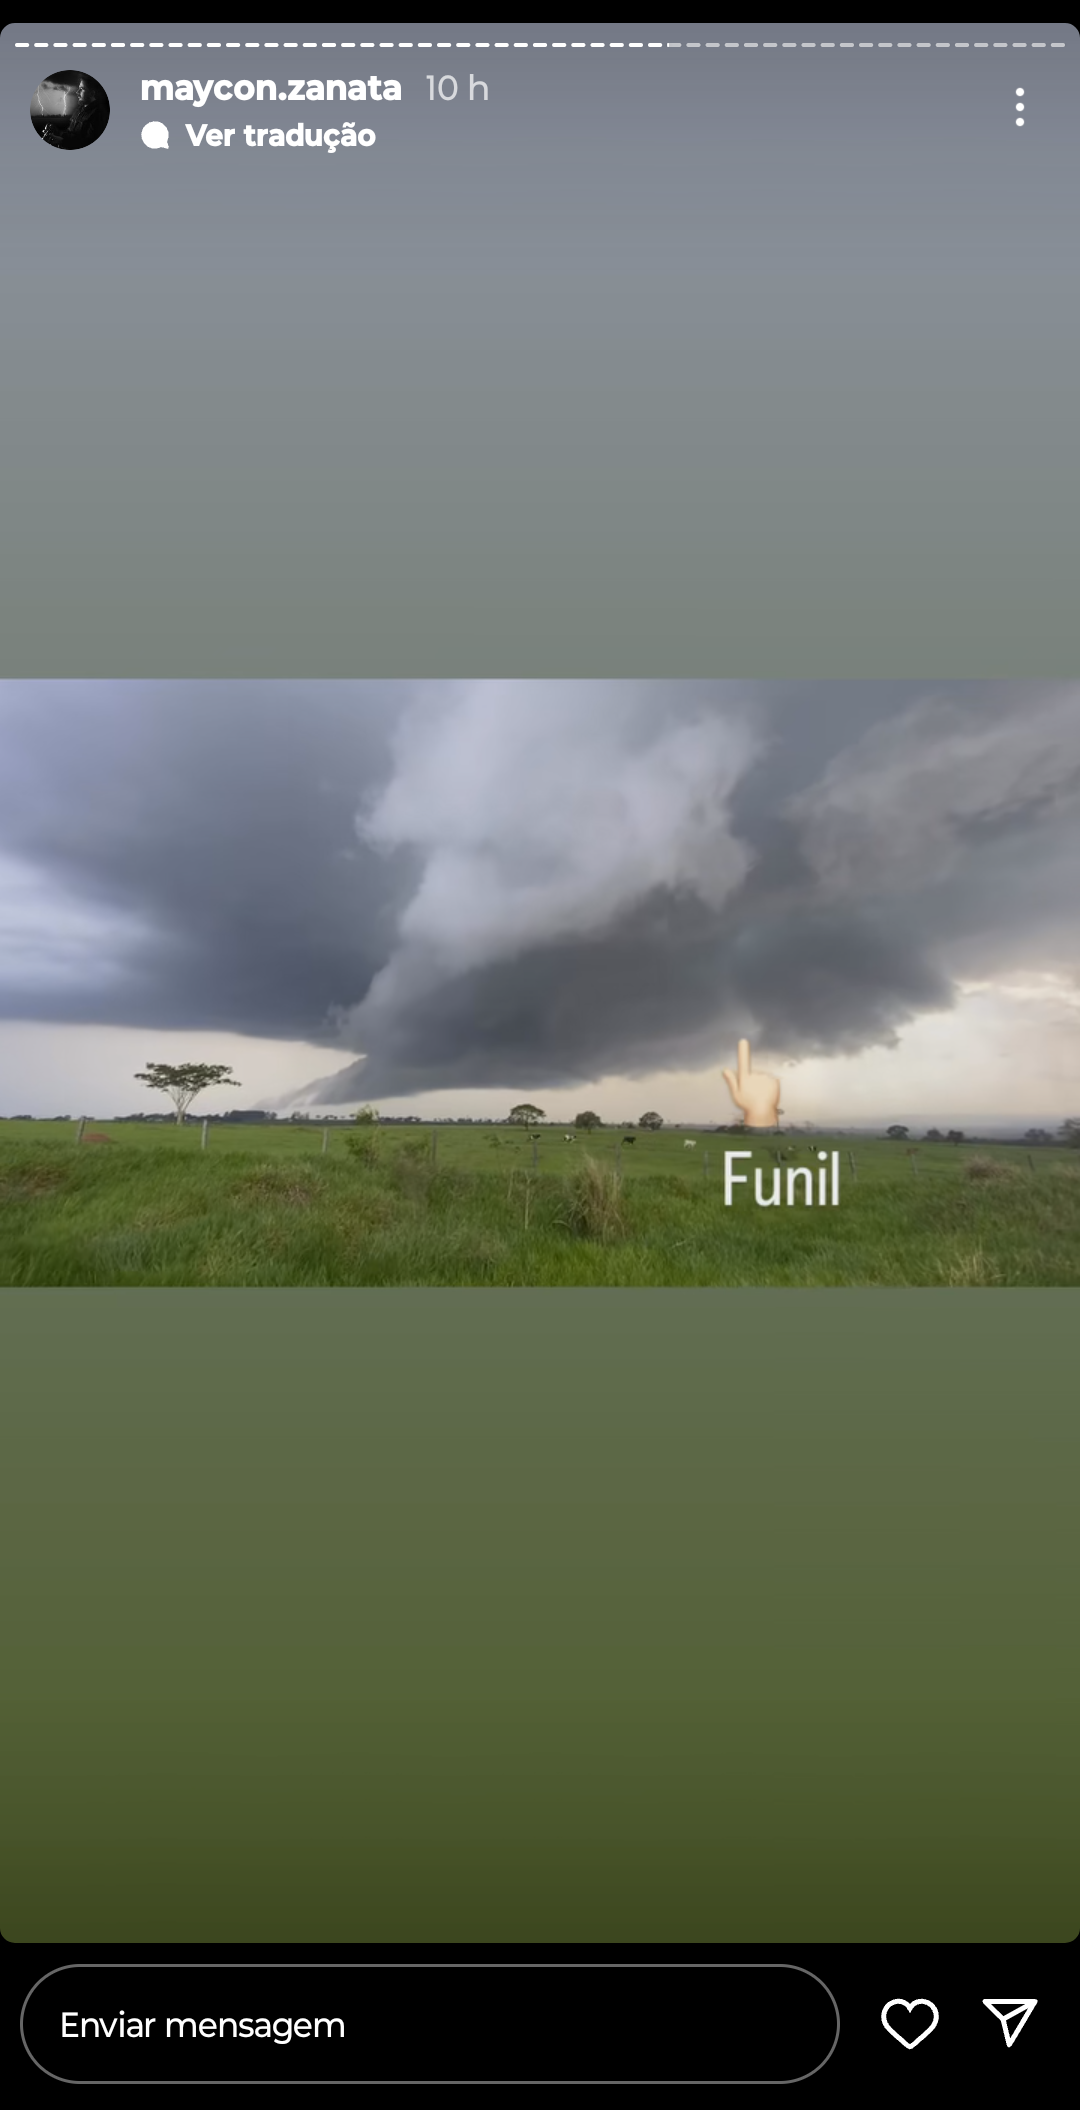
(668, 363)
(710, 381)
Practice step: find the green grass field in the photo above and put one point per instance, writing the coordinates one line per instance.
(267, 1206)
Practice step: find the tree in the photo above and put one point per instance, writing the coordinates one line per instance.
(587, 1121)
(653, 1121)
(1040, 1135)
(897, 1133)
(183, 1081)
(524, 1116)
(1069, 1132)
(367, 1117)
(955, 1135)
(933, 1135)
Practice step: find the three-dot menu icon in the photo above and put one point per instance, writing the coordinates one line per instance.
(1019, 106)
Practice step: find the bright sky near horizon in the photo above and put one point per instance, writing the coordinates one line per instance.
(1001, 1056)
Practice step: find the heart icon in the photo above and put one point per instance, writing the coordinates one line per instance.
(909, 2043)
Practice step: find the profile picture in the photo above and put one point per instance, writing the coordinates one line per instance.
(69, 110)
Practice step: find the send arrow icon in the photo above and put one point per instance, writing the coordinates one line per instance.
(1012, 2015)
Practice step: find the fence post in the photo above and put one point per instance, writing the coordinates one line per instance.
(82, 1125)
(534, 1153)
(325, 1133)
(434, 1144)
(1031, 1162)
(205, 1127)
(705, 1164)
(854, 1167)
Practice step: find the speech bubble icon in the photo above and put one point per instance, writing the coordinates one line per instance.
(155, 135)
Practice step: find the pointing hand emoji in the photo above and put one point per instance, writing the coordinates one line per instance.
(757, 1095)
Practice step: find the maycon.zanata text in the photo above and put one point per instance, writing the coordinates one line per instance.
(199, 92)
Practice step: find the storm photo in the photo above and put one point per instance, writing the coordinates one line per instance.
(69, 110)
(431, 894)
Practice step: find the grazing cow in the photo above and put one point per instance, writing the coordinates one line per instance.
(568, 1139)
(689, 1144)
(629, 1139)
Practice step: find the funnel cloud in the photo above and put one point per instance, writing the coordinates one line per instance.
(527, 884)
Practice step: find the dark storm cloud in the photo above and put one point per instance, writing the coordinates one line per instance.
(528, 884)
(666, 989)
(207, 831)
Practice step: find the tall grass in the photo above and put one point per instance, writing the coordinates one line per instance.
(594, 1201)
